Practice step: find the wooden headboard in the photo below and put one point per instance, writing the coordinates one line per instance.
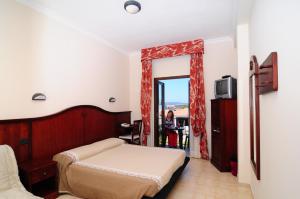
(43, 137)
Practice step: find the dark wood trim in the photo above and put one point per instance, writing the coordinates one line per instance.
(172, 77)
(156, 142)
(39, 177)
(254, 101)
(30, 139)
(268, 74)
(265, 79)
(43, 137)
(223, 133)
(156, 114)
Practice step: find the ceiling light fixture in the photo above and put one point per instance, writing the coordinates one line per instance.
(132, 6)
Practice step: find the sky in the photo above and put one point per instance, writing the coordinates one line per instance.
(177, 90)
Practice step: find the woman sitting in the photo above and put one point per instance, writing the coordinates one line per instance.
(170, 130)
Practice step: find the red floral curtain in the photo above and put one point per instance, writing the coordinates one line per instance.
(197, 102)
(197, 95)
(146, 95)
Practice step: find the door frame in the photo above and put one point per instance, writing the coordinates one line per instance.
(156, 95)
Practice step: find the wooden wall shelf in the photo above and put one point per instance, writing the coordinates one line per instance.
(268, 74)
(262, 79)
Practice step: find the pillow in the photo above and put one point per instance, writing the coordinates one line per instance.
(87, 151)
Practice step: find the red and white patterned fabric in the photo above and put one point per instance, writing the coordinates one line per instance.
(173, 50)
(146, 95)
(197, 102)
(197, 95)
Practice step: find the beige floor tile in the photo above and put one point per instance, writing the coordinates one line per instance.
(201, 180)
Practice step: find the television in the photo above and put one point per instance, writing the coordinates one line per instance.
(225, 88)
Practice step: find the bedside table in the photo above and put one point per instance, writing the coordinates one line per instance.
(39, 177)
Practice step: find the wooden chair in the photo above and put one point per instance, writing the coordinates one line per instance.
(187, 141)
(183, 122)
(135, 134)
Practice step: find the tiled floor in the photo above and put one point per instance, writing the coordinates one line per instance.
(201, 180)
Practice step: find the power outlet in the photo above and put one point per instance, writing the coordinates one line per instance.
(24, 141)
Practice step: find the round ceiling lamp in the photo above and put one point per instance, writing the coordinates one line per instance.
(132, 6)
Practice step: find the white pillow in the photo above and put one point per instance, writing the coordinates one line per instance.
(87, 151)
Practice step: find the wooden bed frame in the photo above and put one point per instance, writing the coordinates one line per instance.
(43, 137)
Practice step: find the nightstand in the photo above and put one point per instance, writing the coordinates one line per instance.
(40, 177)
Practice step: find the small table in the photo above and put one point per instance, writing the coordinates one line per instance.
(127, 129)
(39, 177)
(126, 135)
(180, 135)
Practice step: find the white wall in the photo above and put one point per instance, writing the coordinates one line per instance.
(135, 76)
(219, 59)
(275, 26)
(39, 54)
(243, 104)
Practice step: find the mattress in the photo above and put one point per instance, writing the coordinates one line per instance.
(113, 169)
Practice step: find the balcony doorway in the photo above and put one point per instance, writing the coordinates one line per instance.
(171, 94)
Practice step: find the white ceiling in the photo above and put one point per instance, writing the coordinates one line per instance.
(159, 22)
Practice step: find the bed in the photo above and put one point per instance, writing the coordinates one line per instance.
(112, 169)
(79, 126)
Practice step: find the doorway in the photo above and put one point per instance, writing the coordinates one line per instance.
(172, 94)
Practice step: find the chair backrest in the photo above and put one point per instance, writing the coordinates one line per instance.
(137, 127)
(136, 130)
(183, 121)
(9, 177)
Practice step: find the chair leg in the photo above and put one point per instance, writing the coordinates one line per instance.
(187, 141)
